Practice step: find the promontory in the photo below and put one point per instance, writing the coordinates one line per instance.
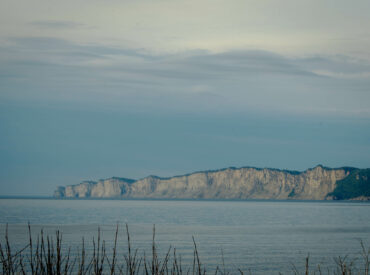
(318, 183)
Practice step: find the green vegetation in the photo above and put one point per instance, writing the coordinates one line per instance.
(48, 256)
(356, 184)
(292, 193)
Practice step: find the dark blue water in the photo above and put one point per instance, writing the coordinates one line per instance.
(266, 237)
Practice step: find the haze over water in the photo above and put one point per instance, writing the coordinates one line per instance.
(264, 236)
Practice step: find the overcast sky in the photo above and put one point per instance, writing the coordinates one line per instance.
(94, 89)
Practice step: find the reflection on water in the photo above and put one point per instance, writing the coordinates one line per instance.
(264, 236)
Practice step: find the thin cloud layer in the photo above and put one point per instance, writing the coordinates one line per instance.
(53, 69)
(56, 24)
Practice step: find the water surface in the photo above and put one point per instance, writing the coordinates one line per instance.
(264, 236)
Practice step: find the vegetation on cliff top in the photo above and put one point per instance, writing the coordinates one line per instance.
(356, 184)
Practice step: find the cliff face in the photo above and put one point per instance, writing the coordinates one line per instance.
(231, 183)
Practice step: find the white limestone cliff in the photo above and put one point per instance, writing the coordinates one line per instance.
(230, 183)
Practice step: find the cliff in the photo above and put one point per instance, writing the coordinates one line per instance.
(231, 183)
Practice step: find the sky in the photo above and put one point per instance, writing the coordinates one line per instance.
(95, 89)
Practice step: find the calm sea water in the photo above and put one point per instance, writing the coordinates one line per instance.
(266, 237)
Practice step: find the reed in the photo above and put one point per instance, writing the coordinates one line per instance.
(47, 255)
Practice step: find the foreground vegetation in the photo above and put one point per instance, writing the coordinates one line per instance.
(48, 256)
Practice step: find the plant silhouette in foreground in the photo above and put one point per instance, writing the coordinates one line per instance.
(47, 256)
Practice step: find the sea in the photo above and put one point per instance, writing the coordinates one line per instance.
(257, 236)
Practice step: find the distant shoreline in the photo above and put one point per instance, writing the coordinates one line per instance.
(317, 183)
(174, 199)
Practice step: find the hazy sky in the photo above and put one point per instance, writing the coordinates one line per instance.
(94, 89)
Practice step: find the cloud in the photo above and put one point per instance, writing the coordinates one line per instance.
(55, 69)
(189, 64)
(53, 47)
(57, 24)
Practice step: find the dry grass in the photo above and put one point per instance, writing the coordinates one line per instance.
(47, 256)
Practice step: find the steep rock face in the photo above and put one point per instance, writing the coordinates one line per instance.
(242, 184)
(109, 188)
(230, 183)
